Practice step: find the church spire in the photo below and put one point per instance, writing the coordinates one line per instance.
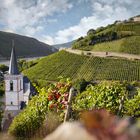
(13, 68)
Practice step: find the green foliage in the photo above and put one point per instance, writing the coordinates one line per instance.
(2, 88)
(3, 68)
(132, 106)
(91, 32)
(23, 64)
(50, 98)
(31, 118)
(83, 67)
(108, 95)
(80, 85)
(41, 83)
(103, 95)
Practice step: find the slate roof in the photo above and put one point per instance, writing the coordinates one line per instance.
(32, 89)
(13, 68)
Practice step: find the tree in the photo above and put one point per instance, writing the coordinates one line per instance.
(91, 32)
(4, 68)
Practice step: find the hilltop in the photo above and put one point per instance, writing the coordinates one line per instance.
(80, 66)
(64, 45)
(25, 46)
(122, 36)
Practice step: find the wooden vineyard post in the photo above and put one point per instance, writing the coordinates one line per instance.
(121, 106)
(67, 114)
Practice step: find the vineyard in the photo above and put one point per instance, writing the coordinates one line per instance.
(124, 37)
(83, 67)
(123, 27)
(125, 45)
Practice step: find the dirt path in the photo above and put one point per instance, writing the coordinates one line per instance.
(103, 54)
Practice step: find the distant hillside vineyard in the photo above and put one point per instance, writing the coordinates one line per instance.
(25, 46)
(79, 66)
(118, 37)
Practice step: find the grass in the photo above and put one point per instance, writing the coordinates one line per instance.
(126, 45)
(90, 68)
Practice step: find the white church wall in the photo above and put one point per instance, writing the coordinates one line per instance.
(11, 97)
(20, 84)
(21, 98)
(17, 82)
(26, 99)
(7, 85)
(11, 108)
(27, 92)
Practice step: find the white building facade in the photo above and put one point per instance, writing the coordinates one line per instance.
(13, 92)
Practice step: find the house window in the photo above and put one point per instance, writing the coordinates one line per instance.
(11, 85)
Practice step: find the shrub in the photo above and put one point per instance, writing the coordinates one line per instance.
(109, 95)
(3, 68)
(52, 98)
(132, 106)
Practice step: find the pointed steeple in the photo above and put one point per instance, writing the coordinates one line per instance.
(13, 68)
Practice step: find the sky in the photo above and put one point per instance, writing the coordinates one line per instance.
(61, 21)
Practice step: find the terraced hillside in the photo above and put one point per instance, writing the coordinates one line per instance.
(123, 37)
(78, 66)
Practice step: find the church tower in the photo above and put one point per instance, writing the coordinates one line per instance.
(13, 85)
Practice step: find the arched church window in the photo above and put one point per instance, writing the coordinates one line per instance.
(11, 85)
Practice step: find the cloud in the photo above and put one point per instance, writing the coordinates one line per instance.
(76, 31)
(52, 20)
(27, 16)
(31, 17)
(104, 12)
(9, 31)
(48, 40)
(112, 9)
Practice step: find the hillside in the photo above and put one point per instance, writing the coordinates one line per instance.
(118, 37)
(25, 46)
(64, 45)
(78, 66)
(125, 45)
